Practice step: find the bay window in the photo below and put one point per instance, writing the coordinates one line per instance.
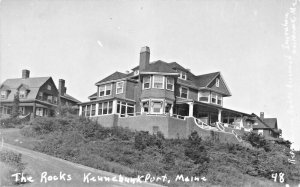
(105, 90)
(184, 92)
(119, 87)
(146, 82)
(158, 81)
(170, 83)
(157, 107)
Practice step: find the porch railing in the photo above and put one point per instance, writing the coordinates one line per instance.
(219, 127)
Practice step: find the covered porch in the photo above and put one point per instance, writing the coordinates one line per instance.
(210, 114)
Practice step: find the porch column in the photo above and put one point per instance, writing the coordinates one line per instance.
(114, 109)
(97, 109)
(80, 110)
(219, 115)
(191, 109)
(171, 110)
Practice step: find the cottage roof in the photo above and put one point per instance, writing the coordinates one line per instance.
(68, 97)
(115, 76)
(271, 122)
(32, 84)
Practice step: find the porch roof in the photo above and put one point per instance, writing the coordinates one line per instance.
(212, 106)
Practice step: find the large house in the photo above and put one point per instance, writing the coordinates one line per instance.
(160, 96)
(38, 95)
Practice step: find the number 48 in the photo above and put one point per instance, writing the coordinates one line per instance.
(281, 179)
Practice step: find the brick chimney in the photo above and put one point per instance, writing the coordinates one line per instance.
(262, 115)
(61, 87)
(144, 58)
(25, 74)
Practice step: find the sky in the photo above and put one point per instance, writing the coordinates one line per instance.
(253, 43)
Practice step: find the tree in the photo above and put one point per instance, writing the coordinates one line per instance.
(15, 108)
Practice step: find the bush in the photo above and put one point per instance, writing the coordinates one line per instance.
(10, 122)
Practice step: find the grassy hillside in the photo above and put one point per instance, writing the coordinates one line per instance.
(138, 153)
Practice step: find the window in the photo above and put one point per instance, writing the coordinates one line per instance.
(3, 94)
(146, 82)
(220, 100)
(105, 90)
(261, 132)
(22, 110)
(88, 110)
(155, 130)
(22, 94)
(83, 112)
(108, 89)
(110, 105)
(217, 82)
(55, 100)
(120, 86)
(105, 107)
(136, 72)
(157, 107)
(40, 96)
(39, 111)
(182, 75)
(49, 87)
(146, 106)
(101, 90)
(204, 96)
(168, 108)
(183, 92)
(100, 109)
(93, 109)
(158, 81)
(214, 98)
(49, 98)
(170, 83)
(125, 109)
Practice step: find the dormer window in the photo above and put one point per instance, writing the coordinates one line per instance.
(22, 94)
(3, 94)
(40, 96)
(136, 72)
(217, 82)
(182, 75)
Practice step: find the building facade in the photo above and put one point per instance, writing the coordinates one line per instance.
(166, 97)
(38, 95)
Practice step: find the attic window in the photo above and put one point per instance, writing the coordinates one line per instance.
(49, 87)
(22, 94)
(3, 94)
(217, 82)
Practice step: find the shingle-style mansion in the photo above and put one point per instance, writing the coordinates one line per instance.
(166, 97)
